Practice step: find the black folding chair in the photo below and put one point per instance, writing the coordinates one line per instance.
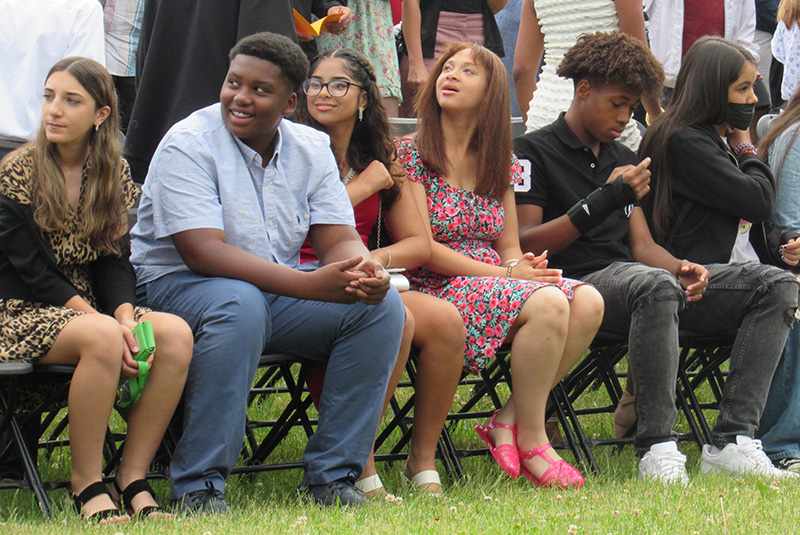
(279, 377)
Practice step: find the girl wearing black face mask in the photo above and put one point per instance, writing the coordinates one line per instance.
(711, 194)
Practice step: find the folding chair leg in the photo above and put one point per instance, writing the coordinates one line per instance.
(28, 462)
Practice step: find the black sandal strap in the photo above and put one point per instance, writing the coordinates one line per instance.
(92, 491)
(136, 487)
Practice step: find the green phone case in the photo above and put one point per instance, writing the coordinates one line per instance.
(131, 388)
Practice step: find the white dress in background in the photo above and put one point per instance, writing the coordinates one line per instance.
(562, 22)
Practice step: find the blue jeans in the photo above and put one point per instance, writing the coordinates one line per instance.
(234, 323)
(779, 429)
(649, 304)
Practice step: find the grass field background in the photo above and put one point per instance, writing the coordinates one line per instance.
(486, 501)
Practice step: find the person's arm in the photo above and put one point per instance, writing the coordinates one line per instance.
(693, 277)
(624, 186)
(25, 251)
(496, 5)
(411, 244)
(412, 35)
(527, 55)
(368, 182)
(707, 176)
(746, 30)
(87, 36)
(205, 251)
(631, 21)
(114, 278)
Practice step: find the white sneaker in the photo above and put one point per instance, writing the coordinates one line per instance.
(745, 457)
(665, 464)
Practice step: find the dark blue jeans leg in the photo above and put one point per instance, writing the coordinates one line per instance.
(231, 322)
(759, 302)
(779, 429)
(644, 302)
(360, 343)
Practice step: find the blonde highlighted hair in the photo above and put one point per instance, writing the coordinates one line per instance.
(789, 12)
(102, 206)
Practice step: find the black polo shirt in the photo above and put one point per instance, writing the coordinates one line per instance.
(558, 171)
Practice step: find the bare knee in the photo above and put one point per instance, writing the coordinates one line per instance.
(174, 339)
(409, 327)
(587, 307)
(444, 326)
(548, 308)
(100, 340)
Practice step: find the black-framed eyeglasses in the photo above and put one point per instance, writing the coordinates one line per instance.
(336, 88)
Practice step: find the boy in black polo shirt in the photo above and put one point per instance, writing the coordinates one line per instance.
(580, 203)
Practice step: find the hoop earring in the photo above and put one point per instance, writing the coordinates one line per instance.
(360, 113)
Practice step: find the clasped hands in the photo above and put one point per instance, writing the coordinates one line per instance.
(352, 280)
(534, 268)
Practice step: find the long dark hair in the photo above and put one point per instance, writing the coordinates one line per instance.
(103, 211)
(789, 118)
(711, 65)
(371, 139)
(492, 137)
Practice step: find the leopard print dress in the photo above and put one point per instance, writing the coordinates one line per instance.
(29, 329)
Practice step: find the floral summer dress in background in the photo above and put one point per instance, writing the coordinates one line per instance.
(372, 34)
(469, 223)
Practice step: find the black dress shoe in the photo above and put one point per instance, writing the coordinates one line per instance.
(341, 492)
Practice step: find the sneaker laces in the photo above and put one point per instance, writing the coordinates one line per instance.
(672, 464)
(754, 451)
(790, 463)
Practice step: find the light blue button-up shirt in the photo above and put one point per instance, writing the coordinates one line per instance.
(201, 176)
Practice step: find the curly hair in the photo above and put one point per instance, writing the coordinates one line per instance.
(277, 49)
(371, 138)
(610, 59)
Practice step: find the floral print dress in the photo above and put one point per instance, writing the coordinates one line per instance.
(469, 223)
(372, 34)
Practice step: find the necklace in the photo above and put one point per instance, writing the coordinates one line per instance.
(458, 176)
(349, 176)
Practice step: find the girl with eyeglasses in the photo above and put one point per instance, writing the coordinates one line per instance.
(343, 100)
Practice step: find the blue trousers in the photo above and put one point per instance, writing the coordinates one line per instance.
(234, 323)
(779, 429)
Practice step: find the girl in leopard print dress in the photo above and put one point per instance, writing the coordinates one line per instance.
(67, 289)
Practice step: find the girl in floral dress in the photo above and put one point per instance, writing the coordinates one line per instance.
(461, 154)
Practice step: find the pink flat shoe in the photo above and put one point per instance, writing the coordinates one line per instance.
(560, 474)
(506, 455)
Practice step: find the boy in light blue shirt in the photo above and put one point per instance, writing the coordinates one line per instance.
(232, 192)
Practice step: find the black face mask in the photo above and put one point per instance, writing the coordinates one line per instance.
(740, 115)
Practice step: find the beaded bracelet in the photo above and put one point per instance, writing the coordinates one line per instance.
(511, 265)
(744, 148)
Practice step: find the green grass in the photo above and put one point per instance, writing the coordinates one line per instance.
(487, 501)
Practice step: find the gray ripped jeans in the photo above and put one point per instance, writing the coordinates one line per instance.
(649, 303)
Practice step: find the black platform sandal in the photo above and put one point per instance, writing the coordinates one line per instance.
(92, 491)
(134, 488)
